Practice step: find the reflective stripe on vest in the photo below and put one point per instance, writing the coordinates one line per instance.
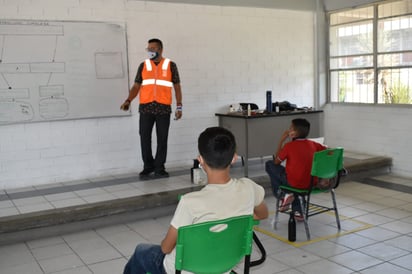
(157, 83)
(164, 67)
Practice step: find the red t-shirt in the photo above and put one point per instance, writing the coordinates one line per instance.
(299, 156)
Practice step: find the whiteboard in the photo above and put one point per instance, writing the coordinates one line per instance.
(57, 70)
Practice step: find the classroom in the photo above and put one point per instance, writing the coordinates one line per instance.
(67, 66)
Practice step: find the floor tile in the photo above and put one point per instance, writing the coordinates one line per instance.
(383, 251)
(398, 226)
(45, 242)
(404, 261)
(13, 255)
(119, 187)
(355, 260)
(26, 268)
(68, 202)
(353, 241)
(35, 207)
(386, 268)
(374, 219)
(30, 201)
(109, 267)
(127, 193)
(6, 204)
(99, 198)
(89, 192)
(378, 234)
(60, 196)
(10, 211)
(126, 241)
(296, 257)
(404, 242)
(270, 266)
(394, 213)
(76, 270)
(385, 246)
(22, 189)
(99, 255)
(369, 206)
(325, 249)
(324, 267)
(60, 263)
(147, 228)
(51, 251)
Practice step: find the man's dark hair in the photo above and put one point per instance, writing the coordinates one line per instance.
(302, 127)
(157, 41)
(217, 146)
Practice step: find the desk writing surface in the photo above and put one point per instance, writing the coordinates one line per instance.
(259, 135)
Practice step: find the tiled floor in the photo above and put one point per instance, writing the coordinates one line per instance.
(384, 247)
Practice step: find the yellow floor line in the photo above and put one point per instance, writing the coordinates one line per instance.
(338, 234)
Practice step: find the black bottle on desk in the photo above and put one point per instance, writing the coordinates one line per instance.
(192, 170)
(292, 227)
(269, 107)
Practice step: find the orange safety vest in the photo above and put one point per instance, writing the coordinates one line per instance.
(157, 82)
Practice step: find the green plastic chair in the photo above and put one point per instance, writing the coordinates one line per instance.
(327, 164)
(215, 246)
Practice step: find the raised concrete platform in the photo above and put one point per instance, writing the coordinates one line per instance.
(62, 208)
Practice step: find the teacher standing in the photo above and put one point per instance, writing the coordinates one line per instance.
(154, 81)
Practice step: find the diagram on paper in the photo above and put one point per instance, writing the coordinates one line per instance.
(61, 70)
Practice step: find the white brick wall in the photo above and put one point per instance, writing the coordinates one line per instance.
(377, 130)
(224, 55)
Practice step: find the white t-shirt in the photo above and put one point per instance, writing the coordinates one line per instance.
(215, 202)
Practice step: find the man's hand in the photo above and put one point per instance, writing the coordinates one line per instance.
(125, 106)
(178, 113)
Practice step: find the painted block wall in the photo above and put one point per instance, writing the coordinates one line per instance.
(375, 130)
(225, 55)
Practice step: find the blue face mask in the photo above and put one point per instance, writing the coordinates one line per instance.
(153, 54)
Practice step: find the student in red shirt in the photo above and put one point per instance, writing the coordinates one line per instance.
(297, 153)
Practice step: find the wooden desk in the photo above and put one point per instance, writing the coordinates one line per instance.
(258, 135)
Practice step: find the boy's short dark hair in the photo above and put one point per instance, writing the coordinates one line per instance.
(302, 127)
(157, 41)
(217, 146)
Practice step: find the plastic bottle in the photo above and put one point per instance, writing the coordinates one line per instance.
(292, 228)
(269, 106)
(249, 110)
(194, 170)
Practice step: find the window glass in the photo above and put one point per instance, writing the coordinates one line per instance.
(394, 86)
(395, 34)
(356, 56)
(348, 39)
(351, 62)
(351, 15)
(395, 8)
(352, 86)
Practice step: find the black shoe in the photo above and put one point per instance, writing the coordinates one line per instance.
(161, 174)
(146, 172)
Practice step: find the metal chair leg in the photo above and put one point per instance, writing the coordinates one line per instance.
(261, 249)
(276, 217)
(303, 208)
(335, 207)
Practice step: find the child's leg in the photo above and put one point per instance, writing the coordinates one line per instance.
(277, 176)
(147, 258)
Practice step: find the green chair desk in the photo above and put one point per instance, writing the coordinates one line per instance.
(327, 164)
(217, 246)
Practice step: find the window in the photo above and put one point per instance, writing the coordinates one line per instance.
(370, 54)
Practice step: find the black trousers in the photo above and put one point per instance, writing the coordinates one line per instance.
(146, 123)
